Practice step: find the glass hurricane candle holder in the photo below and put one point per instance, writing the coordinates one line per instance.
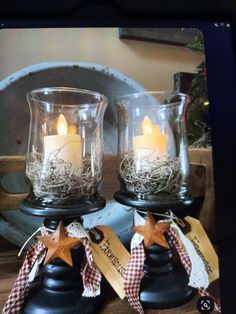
(153, 149)
(64, 158)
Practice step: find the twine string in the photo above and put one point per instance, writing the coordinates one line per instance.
(42, 228)
(169, 217)
(23, 246)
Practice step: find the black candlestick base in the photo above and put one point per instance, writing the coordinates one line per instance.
(60, 292)
(165, 281)
(180, 206)
(55, 211)
(59, 288)
(165, 284)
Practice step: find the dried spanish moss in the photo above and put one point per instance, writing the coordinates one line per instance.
(161, 175)
(58, 180)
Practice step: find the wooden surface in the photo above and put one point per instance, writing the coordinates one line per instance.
(8, 165)
(10, 264)
(9, 267)
(203, 156)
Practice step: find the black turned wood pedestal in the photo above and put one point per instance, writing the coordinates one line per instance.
(59, 288)
(165, 281)
(60, 291)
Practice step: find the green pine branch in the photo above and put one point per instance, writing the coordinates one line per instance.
(197, 46)
(198, 110)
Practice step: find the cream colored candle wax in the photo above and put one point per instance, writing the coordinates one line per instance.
(63, 146)
(150, 145)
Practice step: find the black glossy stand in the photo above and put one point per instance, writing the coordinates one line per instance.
(165, 281)
(59, 288)
(165, 284)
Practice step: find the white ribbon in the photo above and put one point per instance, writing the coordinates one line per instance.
(76, 230)
(198, 277)
(35, 269)
(137, 238)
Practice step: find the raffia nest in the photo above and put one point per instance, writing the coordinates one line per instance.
(160, 175)
(58, 179)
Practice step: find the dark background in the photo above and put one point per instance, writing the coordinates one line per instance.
(131, 9)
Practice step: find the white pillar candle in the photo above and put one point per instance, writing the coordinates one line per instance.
(149, 146)
(63, 146)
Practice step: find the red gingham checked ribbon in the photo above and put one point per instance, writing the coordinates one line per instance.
(187, 265)
(20, 289)
(91, 276)
(133, 275)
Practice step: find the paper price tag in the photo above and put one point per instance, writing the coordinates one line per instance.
(204, 248)
(110, 256)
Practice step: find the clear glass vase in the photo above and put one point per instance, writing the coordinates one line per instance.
(64, 157)
(153, 148)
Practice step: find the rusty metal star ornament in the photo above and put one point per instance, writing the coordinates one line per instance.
(153, 232)
(59, 245)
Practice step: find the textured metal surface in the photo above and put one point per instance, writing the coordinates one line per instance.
(14, 110)
(14, 125)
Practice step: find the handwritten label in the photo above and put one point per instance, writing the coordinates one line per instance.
(204, 248)
(110, 256)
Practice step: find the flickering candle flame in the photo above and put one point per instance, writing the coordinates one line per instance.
(147, 126)
(66, 145)
(62, 127)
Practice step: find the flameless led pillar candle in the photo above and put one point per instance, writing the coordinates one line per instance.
(151, 145)
(63, 146)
